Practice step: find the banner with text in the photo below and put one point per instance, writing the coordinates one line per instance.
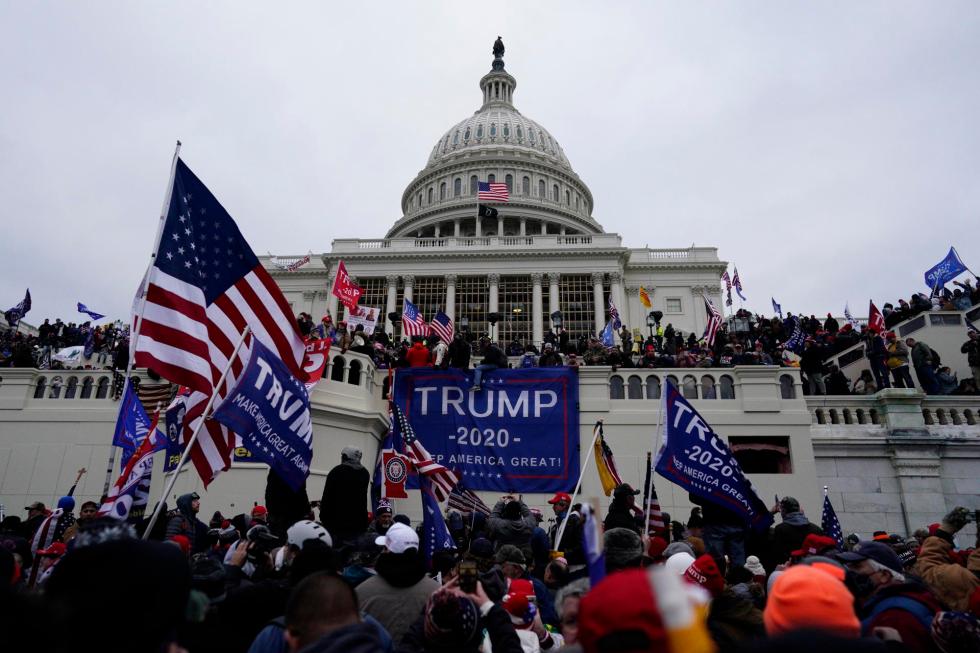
(698, 460)
(520, 433)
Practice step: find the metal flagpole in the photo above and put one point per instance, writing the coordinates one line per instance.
(139, 315)
(197, 430)
(578, 486)
(656, 449)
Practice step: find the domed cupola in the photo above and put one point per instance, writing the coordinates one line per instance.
(497, 143)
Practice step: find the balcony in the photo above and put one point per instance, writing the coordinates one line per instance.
(534, 242)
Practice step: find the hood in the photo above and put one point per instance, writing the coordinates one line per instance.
(184, 505)
(401, 569)
(795, 519)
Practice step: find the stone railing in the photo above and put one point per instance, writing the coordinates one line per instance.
(27, 387)
(449, 243)
(895, 408)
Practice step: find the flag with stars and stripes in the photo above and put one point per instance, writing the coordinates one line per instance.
(443, 479)
(467, 501)
(442, 326)
(204, 287)
(653, 515)
(492, 192)
(728, 288)
(830, 524)
(435, 534)
(850, 318)
(796, 339)
(714, 321)
(737, 282)
(614, 315)
(413, 324)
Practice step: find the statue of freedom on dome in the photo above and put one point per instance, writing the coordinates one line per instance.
(498, 48)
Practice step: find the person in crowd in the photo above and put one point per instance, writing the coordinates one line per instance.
(550, 357)
(946, 381)
(953, 583)
(623, 549)
(513, 566)
(811, 597)
(401, 588)
(623, 511)
(459, 352)
(898, 361)
(877, 354)
(528, 358)
(571, 539)
(322, 617)
(865, 384)
(343, 504)
(383, 518)
(923, 361)
(836, 381)
(440, 353)
(184, 522)
(788, 536)
(511, 522)
(493, 358)
(724, 531)
(418, 354)
(972, 350)
(811, 363)
(36, 513)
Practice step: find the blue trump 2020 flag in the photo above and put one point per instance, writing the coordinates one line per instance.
(270, 410)
(945, 271)
(696, 458)
(132, 425)
(435, 533)
(82, 308)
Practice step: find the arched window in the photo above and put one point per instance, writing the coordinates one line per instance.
(635, 388)
(71, 388)
(493, 129)
(576, 201)
(456, 138)
(787, 388)
(520, 133)
(102, 389)
(56, 384)
(474, 184)
(86, 388)
(727, 387)
(708, 388)
(616, 388)
(420, 200)
(491, 178)
(690, 388)
(354, 376)
(673, 380)
(526, 186)
(42, 384)
(541, 188)
(337, 372)
(509, 180)
(506, 130)
(554, 192)
(442, 191)
(466, 135)
(530, 136)
(457, 187)
(430, 194)
(568, 198)
(479, 131)
(653, 387)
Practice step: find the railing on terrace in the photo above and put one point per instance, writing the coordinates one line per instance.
(529, 241)
(895, 407)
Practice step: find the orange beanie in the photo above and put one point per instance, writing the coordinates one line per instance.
(811, 596)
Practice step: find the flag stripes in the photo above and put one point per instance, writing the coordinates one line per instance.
(466, 500)
(714, 321)
(413, 324)
(492, 192)
(443, 479)
(442, 325)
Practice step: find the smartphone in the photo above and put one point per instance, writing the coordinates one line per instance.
(468, 575)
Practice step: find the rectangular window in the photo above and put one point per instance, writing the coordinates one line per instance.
(514, 300)
(672, 305)
(472, 300)
(758, 454)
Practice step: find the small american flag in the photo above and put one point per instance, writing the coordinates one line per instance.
(830, 524)
(651, 504)
(443, 480)
(492, 192)
(714, 321)
(442, 326)
(466, 500)
(728, 288)
(614, 315)
(413, 324)
(738, 285)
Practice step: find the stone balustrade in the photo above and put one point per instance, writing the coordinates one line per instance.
(895, 408)
(449, 243)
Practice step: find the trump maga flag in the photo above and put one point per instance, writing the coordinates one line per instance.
(696, 458)
(945, 271)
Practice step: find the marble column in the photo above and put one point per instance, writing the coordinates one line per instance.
(332, 302)
(553, 296)
(390, 307)
(479, 231)
(523, 226)
(537, 309)
(456, 228)
(493, 279)
(408, 280)
(698, 318)
(599, 306)
(308, 298)
(451, 296)
(616, 292)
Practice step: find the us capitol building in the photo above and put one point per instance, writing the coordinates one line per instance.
(892, 461)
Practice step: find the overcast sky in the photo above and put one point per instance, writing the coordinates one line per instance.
(829, 150)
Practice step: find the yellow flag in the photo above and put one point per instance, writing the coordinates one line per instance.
(645, 298)
(606, 475)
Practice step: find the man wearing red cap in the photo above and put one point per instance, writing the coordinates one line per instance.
(260, 515)
(815, 545)
(571, 539)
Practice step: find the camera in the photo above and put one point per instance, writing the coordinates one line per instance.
(261, 541)
(468, 575)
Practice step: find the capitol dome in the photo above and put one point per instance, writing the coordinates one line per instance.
(496, 143)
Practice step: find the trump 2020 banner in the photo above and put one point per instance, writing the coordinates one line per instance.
(518, 434)
(698, 460)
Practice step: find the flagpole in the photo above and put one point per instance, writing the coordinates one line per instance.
(656, 449)
(139, 315)
(578, 486)
(197, 430)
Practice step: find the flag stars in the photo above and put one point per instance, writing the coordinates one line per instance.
(170, 256)
(187, 232)
(175, 236)
(181, 250)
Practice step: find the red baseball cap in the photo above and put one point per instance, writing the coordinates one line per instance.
(56, 550)
(260, 511)
(814, 545)
(560, 496)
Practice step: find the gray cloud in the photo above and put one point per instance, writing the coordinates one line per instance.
(830, 151)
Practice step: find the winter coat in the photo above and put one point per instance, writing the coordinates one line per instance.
(908, 608)
(620, 516)
(811, 360)
(788, 536)
(952, 583)
(972, 350)
(494, 355)
(898, 354)
(183, 521)
(418, 355)
(921, 355)
(459, 354)
(396, 597)
(496, 622)
(511, 531)
(286, 507)
(343, 506)
(355, 638)
(734, 621)
(571, 539)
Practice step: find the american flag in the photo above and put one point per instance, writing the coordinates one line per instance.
(714, 321)
(466, 500)
(651, 504)
(830, 524)
(728, 288)
(442, 326)
(443, 479)
(413, 324)
(738, 285)
(492, 192)
(204, 287)
(614, 315)
(154, 396)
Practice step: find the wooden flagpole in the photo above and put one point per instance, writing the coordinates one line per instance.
(139, 315)
(197, 430)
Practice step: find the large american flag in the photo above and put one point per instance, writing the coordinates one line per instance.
(830, 523)
(467, 501)
(413, 324)
(492, 192)
(442, 326)
(443, 479)
(653, 515)
(714, 321)
(205, 286)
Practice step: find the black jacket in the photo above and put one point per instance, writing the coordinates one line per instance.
(503, 637)
(459, 354)
(788, 536)
(343, 506)
(356, 638)
(620, 516)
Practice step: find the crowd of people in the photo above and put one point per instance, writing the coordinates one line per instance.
(106, 345)
(325, 576)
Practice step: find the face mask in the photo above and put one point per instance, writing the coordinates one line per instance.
(861, 586)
